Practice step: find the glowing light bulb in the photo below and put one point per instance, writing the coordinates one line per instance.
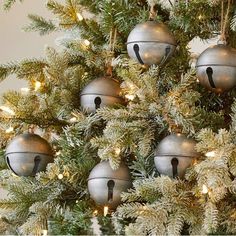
(117, 151)
(130, 97)
(9, 130)
(198, 81)
(200, 17)
(60, 176)
(204, 189)
(79, 17)
(37, 85)
(44, 232)
(58, 153)
(86, 42)
(73, 119)
(7, 109)
(95, 212)
(105, 210)
(24, 90)
(210, 154)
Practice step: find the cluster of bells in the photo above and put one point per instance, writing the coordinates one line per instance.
(148, 43)
(28, 154)
(151, 43)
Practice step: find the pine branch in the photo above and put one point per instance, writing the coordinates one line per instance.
(38, 23)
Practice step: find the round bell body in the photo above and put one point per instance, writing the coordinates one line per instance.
(216, 68)
(174, 154)
(28, 154)
(151, 43)
(99, 93)
(105, 185)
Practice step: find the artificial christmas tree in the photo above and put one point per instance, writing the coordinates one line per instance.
(163, 99)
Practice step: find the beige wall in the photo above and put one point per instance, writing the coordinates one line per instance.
(16, 44)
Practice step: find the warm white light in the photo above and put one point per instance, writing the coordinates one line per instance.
(95, 212)
(204, 189)
(210, 154)
(73, 119)
(198, 81)
(58, 153)
(7, 109)
(60, 176)
(24, 90)
(9, 130)
(86, 42)
(117, 151)
(105, 211)
(130, 96)
(80, 17)
(37, 85)
(44, 232)
(200, 17)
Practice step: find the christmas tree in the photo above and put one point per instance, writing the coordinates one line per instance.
(122, 92)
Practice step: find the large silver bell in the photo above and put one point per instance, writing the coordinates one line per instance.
(99, 93)
(105, 185)
(28, 154)
(151, 43)
(216, 68)
(174, 154)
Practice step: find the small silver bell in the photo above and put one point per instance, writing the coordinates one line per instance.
(99, 93)
(105, 185)
(151, 43)
(28, 154)
(174, 154)
(216, 68)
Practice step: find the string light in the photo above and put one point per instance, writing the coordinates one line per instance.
(7, 109)
(95, 212)
(37, 85)
(204, 189)
(58, 153)
(73, 119)
(130, 97)
(117, 151)
(200, 17)
(105, 210)
(9, 130)
(60, 176)
(25, 90)
(86, 42)
(44, 232)
(210, 154)
(79, 17)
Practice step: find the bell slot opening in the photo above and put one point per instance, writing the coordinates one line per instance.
(110, 186)
(167, 53)
(97, 102)
(136, 51)
(174, 163)
(37, 160)
(209, 72)
(9, 165)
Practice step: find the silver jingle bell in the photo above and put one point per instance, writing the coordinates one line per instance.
(216, 68)
(151, 43)
(28, 154)
(105, 185)
(174, 154)
(99, 93)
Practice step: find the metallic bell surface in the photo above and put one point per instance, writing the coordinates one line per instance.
(98, 184)
(151, 43)
(99, 93)
(28, 154)
(216, 68)
(175, 147)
